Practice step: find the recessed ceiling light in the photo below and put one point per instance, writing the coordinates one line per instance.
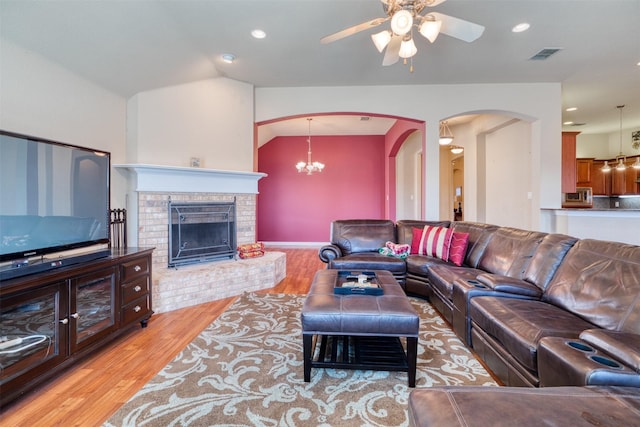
(228, 58)
(567, 123)
(571, 109)
(258, 34)
(524, 26)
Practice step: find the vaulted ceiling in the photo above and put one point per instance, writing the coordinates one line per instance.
(136, 45)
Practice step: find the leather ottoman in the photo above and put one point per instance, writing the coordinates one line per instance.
(359, 319)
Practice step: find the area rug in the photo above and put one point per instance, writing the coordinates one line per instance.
(245, 369)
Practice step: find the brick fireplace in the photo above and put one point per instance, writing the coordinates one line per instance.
(174, 288)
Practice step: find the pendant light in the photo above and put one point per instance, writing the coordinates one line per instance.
(621, 158)
(446, 137)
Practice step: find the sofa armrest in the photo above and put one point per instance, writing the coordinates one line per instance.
(329, 252)
(622, 346)
(509, 285)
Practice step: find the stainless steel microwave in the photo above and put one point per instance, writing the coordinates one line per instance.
(582, 198)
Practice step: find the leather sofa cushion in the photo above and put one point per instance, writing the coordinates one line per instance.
(441, 277)
(622, 346)
(362, 235)
(600, 282)
(477, 406)
(510, 251)
(420, 264)
(479, 236)
(547, 258)
(519, 324)
(369, 261)
(509, 285)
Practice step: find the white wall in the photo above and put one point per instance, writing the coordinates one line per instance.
(508, 176)
(209, 119)
(593, 145)
(605, 145)
(407, 178)
(40, 98)
(536, 103)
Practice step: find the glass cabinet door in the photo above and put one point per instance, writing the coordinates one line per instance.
(33, 334)
(92, 307)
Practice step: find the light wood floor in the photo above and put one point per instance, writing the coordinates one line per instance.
(88, 393)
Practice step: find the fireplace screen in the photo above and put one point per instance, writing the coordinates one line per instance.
(200, 232)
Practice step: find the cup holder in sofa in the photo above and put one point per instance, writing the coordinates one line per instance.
(580, 346)
(476, 283)
(606, 362)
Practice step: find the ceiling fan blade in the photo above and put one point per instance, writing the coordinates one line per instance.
(393, 49)
(458, 28)
(352, 30)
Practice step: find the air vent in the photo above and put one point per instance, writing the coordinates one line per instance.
(365, 118)
(545, 53)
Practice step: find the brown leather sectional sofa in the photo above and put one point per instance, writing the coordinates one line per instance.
(539, 309)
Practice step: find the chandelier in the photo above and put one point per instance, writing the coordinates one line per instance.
(309, 167)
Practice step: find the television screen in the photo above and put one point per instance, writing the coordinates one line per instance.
(53, 197)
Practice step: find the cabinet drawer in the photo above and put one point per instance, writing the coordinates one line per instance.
(137, 310)
(135, 289)
(135, 268)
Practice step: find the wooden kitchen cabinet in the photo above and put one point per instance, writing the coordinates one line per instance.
(583, 172)
(631, 178)
(600, 181)
(569, 162)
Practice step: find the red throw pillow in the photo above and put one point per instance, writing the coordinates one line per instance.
(458, 248)
(432, 241)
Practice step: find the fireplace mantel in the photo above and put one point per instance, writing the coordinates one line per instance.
(191, 180)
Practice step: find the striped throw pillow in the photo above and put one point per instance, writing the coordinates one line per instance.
(432, 241)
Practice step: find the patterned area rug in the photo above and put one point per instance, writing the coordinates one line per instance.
(245, 369)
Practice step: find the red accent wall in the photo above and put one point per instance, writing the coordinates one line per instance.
(295, 207)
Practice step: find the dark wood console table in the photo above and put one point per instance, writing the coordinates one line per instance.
(50, 320)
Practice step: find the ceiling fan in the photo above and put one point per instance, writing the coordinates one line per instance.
(404, 16)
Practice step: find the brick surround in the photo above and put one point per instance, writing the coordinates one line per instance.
(184, 286)
(174, 288)
(153, 218)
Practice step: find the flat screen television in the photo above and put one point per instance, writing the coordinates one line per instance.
(54, 197)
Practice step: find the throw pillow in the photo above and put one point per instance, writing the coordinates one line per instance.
(251, 247)
(432, 241)
(458, 248)
(397, 248)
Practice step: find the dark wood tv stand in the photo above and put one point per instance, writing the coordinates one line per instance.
(50, 320)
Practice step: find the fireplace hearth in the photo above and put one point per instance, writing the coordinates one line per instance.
(201, 232)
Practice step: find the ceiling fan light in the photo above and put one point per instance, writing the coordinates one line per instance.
(407, 49)
(381, 39)
(401, 22)
(430, 28)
